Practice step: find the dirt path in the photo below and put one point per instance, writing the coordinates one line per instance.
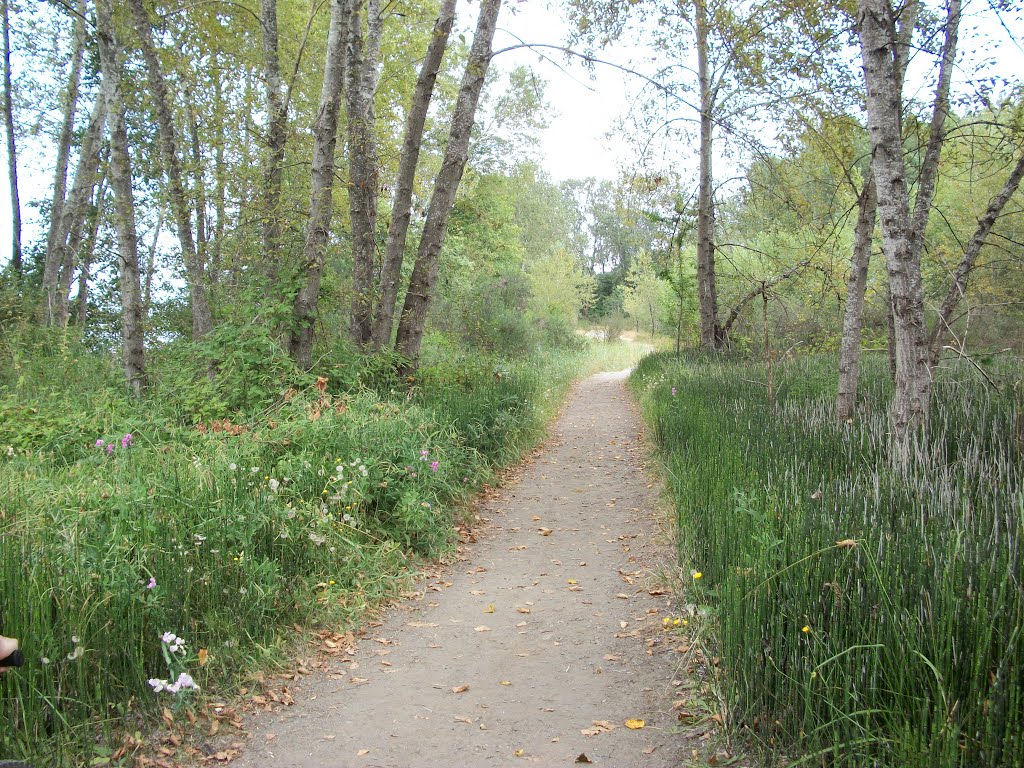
(544, 627)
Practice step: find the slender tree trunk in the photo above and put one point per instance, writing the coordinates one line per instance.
(277, 140)
(124, 204)
(363, 166)
(958, 287)
(707, 293)
(87, 249)
(220, 185)
(202, 318)
(325, 136)
(424, 274)
(147, 292)
(849, 350)
(60, 176)
(12, 150)
(401, 210)
(198, 182)
(74, 210)
(78, 240)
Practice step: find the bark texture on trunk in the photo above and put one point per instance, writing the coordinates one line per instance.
(424, 274)
(75, 209)
(51, 262)
(849, 350)
(202, 318)
(86, 251)
(849, 353)
(325, 136)
(958, 286)
(707, 293)
(277, 140)
(120, 176)
(876, 28)
(401, 210)
(12, 150)
(364, 174)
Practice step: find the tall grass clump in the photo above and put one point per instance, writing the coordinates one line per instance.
(187, 533)
(869, 606)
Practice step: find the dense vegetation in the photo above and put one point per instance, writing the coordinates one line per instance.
(867, 606)
(122, 520)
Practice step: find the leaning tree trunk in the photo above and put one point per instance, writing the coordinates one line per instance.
(74, 210)
(456, 153)
(363, 167)
(120, 175)
(12, 151)
(325, 135)
(54, 253)
(970, 256)
(81, 238)
(87, 252)
(707, 293)
(849, 350)
(401, 210)
(202, 318)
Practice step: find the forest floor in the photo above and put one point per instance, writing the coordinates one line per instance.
(536, 645)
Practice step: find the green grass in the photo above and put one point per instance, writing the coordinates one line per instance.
(912, 654)
(323, 504)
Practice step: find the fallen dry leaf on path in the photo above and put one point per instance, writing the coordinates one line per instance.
(421, 624)
(463, 719)
(635, 724)
(545, 531)
(482, 628)
(489, 608)
(362, 752)
(582, 758)
(522, 609)
(460, 688)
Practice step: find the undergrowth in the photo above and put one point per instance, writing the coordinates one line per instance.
(188, 532)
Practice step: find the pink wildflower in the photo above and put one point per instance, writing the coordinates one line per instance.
(152, 582)
(434, 465)
(127, 440)
(100, 443)
(110, 449)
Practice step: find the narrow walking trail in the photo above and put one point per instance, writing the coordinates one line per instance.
(536, 646)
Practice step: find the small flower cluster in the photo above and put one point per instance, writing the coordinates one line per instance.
(184, 681)
(174, 643)
(126, 442)
(669, 623)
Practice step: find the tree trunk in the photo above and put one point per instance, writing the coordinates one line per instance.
(707, 293)
(277, 140)
(970, 256)
(74, 210)
(220, 184)
(363, 167)
(87, 250)
(78, 240)
(424, 274)
(849, 350)
(401, 211)
(12, 151)
(124, 204)
(54, 253)
(849, 353)
(325, 135)
(202, 319)
(147, 291)
(884, 103)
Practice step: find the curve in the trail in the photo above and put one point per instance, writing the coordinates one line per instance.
(536, 646)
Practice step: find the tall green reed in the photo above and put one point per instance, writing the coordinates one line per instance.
(870, 608)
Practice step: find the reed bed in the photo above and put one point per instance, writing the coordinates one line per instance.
(867, 597)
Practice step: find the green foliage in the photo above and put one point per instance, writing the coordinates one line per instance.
(306, 502)
(868, 607)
